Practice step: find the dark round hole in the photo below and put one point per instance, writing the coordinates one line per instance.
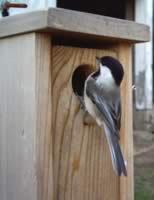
(79, 76)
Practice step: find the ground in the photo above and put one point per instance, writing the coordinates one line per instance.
(144, 165)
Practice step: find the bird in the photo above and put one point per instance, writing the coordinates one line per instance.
(103, 102)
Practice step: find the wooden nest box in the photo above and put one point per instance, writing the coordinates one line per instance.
(46, 151)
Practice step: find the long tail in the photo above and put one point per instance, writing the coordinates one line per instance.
(116, 154)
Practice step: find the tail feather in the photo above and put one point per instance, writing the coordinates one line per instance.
(116, 154)
(121, 161)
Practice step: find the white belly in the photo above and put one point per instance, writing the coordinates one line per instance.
(92, 110)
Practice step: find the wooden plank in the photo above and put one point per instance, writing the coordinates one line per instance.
(43, 117)
(25, 118)
(75, 24)
(82, 162)
(17, 128)
(23, 23)
(97, 25)
(127, 184)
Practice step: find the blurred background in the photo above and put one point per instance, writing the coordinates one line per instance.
(143, 96)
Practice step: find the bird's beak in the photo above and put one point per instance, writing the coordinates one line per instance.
(97, 62)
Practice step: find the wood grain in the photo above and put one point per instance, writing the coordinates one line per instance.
(25, 118)
(97, 26)
(43, 100)
(75, 24)
(82, 162)
(23, 23)
(46, 151)
(127, 184)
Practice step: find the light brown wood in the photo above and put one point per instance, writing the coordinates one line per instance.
(46, 150)
(43, 100)
(81, 161)
(97, 26)
(127, 184)
(75, 25)
(25, 118)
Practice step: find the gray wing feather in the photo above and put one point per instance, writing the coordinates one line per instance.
(118, 112)
(108, 113)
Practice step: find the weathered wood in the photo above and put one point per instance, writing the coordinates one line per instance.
(23, 23)
(75, 25)
(25, 118)
(81, 161)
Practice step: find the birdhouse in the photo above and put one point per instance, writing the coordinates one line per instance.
(47, 151)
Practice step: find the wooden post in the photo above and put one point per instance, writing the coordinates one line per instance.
(46, 151)
(25, 118)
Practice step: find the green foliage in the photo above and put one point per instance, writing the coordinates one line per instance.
(142, 192)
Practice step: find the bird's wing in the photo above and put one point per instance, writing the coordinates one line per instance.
(108, 114)
(116, 113)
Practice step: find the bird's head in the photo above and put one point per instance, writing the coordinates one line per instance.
(113, 65)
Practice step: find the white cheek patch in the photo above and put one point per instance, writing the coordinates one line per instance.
(105, 79)
(106, 73)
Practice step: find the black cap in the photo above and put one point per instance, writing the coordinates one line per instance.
(115, 66)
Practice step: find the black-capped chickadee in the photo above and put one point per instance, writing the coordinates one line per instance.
(103, 102)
